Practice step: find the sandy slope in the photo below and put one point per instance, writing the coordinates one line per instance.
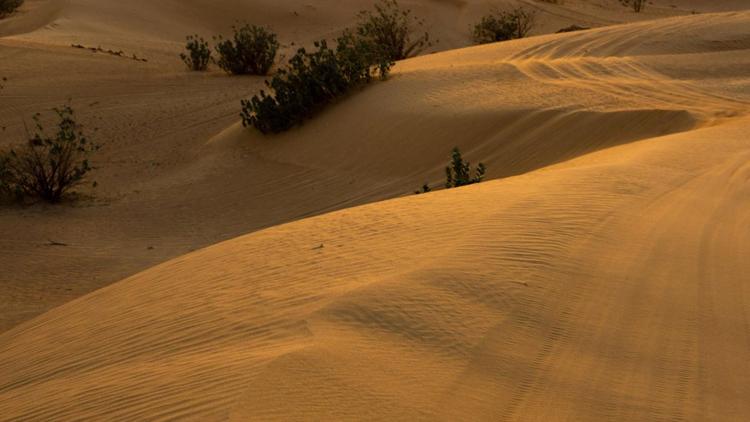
(605, 280)
(165, 189)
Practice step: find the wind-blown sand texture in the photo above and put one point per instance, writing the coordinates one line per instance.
(601, 276)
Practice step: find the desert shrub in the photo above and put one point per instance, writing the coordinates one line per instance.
(392, 28)
(637, 5)
(48, 166)
(313, 79)
(458, 172)
(9, 6)
(198, 54)
(251, 51)
(503, 26)
(424, 189)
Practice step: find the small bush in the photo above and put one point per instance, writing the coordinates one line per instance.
(458, 172)
(9, 6)
(425, 189)
(251, 51)
(312, 80)
(390, 28)
(637, 5)
(198, 54)
(48, 166)
(503, 26)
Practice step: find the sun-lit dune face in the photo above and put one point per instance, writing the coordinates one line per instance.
(598, 273)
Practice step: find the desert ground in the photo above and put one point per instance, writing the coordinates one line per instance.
(599, 273)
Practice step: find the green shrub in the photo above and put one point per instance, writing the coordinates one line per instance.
(458, 172)
(198, 54)
(9, 6)
(503, 26)
(48, 166)
(251, 51)
(425, 189)
(311, 80)
(391, 28)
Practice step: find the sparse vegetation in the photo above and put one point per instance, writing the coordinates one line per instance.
(9, 6)
(251, 51)
(637, 5)
(425, 189)
(458, 172)
(48, 166)
(197, 55)
(312, 80)
(394, 30)
(503, 26)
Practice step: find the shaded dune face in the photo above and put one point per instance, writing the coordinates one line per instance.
(600, 276)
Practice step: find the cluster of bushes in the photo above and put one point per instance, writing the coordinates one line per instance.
(251, 51)
(459, 173)
(503, 26)
(312, 80)
(49, 165)
(9, 6)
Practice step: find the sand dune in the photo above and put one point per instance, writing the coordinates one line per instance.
(599, 277)
(164, 192)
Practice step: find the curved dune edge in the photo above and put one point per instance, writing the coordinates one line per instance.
(616, 274)
(607, 286)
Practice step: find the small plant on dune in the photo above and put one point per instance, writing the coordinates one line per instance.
(425, 189)
(48, 166)
(311, 80)
(392, 29)
(503, 26)
(197, 53)
(458, 172)
(251, 51)
(637, 5)
(9, 6)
